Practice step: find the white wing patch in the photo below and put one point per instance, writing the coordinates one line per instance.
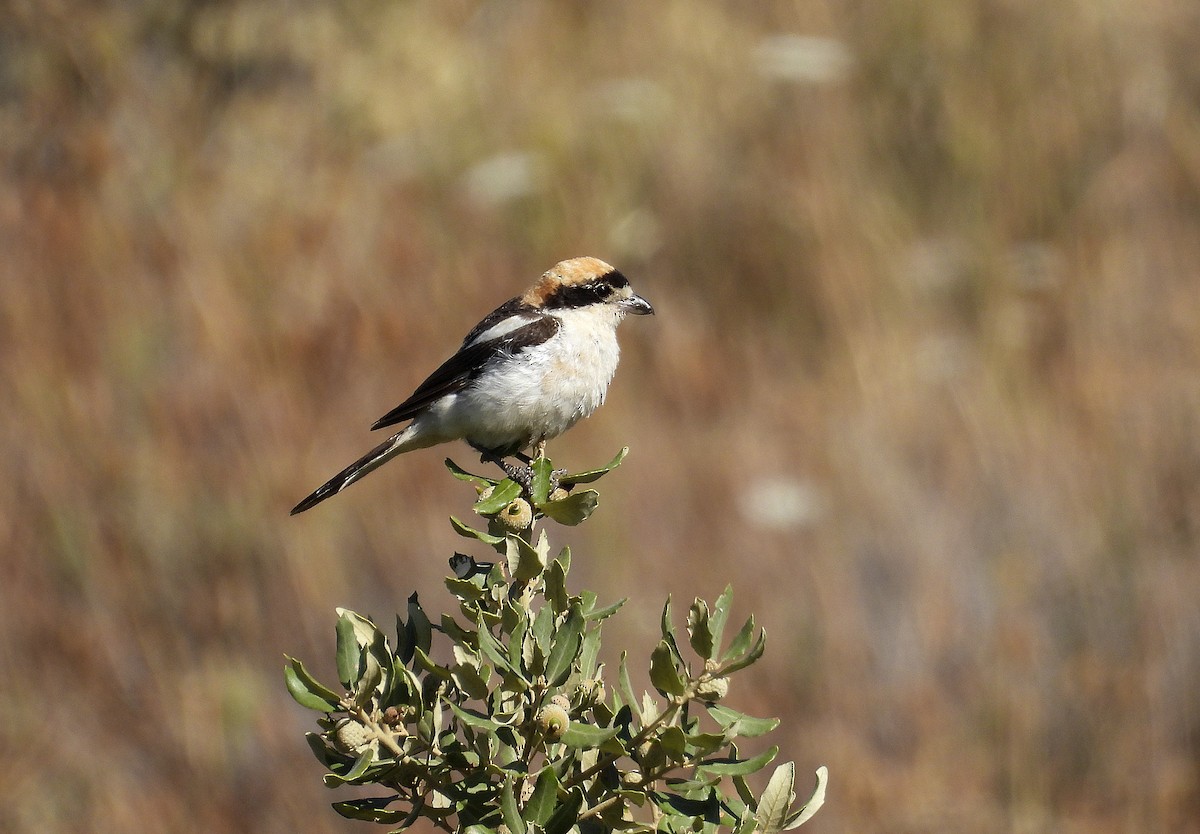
(500, 328)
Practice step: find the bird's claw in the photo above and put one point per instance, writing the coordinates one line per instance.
(521, 474)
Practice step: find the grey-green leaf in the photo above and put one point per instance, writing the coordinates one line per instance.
(749, 657)
(567, 813)
(463, 475)
(525, 561)
(306, 690)
(502, 495)
(585, 736)
(509, 810)
(348, 653)
(776, 799)
(731, 767)
(741, 641)
(544, 798)
(699, 631)
(466, 531)
(572, 510)
(370, 809)
(814, 803)
(565, 648)
(663, 673)
(420, 631)
(595, 474)
(720, 614)
(539, 486)
(737, 724)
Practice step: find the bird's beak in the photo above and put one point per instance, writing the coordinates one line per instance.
(637, 305)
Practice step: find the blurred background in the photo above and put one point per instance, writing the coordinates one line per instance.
(924, 382)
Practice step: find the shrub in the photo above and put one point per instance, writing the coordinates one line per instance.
(515, 727)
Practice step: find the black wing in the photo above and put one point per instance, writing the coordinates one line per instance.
(460, 369)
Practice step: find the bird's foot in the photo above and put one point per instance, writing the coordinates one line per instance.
(520, 473)
(556, 476)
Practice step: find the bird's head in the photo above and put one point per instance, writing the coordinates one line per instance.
(584, 282)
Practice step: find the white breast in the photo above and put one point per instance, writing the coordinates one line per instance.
(543, 390)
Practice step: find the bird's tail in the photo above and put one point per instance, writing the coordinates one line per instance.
(372, 460)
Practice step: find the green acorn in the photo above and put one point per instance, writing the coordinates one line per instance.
(553, 721)
(515, 517)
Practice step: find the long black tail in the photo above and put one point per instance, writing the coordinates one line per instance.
(372, 460)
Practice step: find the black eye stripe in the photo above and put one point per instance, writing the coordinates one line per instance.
(580, 295)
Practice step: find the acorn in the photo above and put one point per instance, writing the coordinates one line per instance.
(351, 737)
(711, 690)
(590, 692)
(553, 721)
(515, 517)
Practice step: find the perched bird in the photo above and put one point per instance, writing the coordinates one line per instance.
(533, 367)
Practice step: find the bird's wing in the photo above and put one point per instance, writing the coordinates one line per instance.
(460, 369)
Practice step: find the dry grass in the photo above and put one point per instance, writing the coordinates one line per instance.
(927, 285)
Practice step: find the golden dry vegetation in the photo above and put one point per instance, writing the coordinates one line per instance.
(924, 383)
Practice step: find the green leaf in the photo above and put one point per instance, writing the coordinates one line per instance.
(737, 724)
(544, 798)
(427, 665)
(543, 626)
(565, 648)
(470, 680)
(754, 654)
(371, 678)
(320, 748)
(594, 474)
(495, 653)
(720, 614)
(627, 687)
(349, 655)
(525, 562)
(702, 744)
(663, 673)
(474, 719)
(743, 791)
(707, 809)
(814, 803)
(572, 510)
(370, 809)
(674, 743)
(556, 587)
(744, 767)
(601, 614)
(589, 650)
(747, 826)
(404, 646)
(419, 631)
(502, 495)
(469, 532)
(584, 736)
(539, 486)
(509, 810)
(699, 632)
(776, 799)
(360, 765)
(464, 589)
(741, 641)
(567, 814)
(463, 475)
(668, 631)
(306, 690)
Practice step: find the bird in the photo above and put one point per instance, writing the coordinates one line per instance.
(530, 370)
